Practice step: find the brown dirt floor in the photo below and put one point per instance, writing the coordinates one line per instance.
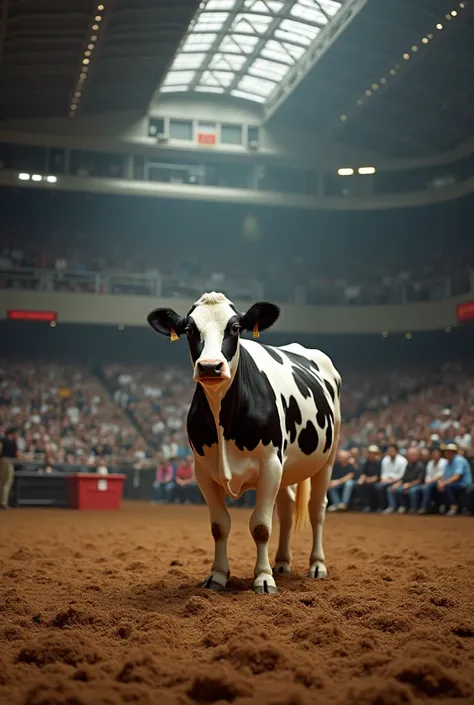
(103, 608)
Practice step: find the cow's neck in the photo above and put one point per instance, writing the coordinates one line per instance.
(215, 399)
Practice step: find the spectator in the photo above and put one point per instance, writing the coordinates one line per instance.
(370, 475)
(434, 472)
(407, 488)
(8, 453)
(163, 484)
(392, 470)
(342, 482)
(456, 478)
(463, 439)
(184, 483)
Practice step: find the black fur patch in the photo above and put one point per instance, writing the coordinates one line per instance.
(308, 439)
(330, 389)
(230, 340)
(195, 343)
(273, 353)
(201, 425)
(249, 413)
(292, 416)
(309, 385)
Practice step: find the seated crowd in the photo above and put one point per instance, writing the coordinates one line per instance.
(397, 426)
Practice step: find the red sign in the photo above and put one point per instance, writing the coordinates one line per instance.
(465, 312)
(206, 138)
(32, 315)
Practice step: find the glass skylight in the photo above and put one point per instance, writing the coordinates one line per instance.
(245, 48)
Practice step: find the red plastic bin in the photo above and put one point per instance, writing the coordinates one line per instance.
(84, 491)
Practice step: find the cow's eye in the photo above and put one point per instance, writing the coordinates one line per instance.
(235, 328)
(188, 330)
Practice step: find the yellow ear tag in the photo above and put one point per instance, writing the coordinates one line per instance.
(255, 332)
(173, 335)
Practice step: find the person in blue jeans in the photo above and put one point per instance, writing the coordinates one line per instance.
(164, 483)
(457, 478)
(342, 482)
(405, 491)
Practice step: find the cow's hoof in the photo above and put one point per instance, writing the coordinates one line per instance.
(282, 568)
(318, 572)
(265, 589)
(211, 584)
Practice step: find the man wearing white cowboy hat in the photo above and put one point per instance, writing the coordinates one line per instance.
(456, 478)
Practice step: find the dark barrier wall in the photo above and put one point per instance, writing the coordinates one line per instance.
(94, 345)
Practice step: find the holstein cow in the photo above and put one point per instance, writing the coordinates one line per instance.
(262, 417)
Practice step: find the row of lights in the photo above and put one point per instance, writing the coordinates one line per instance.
(371, 90)
(349, 171)
(85, 62)
(409, 335)
(23, 176)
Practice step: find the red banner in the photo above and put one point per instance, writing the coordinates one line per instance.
(206, 138)
(465, 312)
(16, 315)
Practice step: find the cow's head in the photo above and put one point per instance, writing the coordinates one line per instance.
(213, 327)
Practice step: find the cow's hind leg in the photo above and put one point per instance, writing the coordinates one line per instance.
(285, 506)
(261, 525)
(220, 528)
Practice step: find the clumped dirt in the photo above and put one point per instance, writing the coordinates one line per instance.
(104, 608)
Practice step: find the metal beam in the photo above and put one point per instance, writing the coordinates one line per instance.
(318, 48)
(3, 27)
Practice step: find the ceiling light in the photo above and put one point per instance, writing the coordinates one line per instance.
(24, 177)
(100, 7)
(87, 53)
(77, 94)
(73, 107)
(430, 36)
(51, 179)
(414, 48)
(98, 18)
(406, 56)
(345, 171)
(392, 72)
(453, 13)
(383, 81)
(366, 170)
(95, 27)
(90, 46)
(424, 40)
(368, 92)
(343, 118)
(85, 61)
(375, 86)
(462, 5)
(83, 76)
(448, 16)
(408, 336)
(53, 324)
(36, 177)
(360, 101)
(439, 26)
(93, 37)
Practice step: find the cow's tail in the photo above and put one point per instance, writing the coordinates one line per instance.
(303, 493)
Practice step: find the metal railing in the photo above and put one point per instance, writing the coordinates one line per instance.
(169, 286)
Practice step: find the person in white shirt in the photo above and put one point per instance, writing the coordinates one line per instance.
(434, 472)
(392, 470)
(463, 439)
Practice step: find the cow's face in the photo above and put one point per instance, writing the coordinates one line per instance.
(213, 327)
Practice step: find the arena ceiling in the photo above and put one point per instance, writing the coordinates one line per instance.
(43, 44)
(370, 73)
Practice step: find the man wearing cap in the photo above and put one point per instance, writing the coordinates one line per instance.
(370, 474)
(342, 482)
(434, 472)
(456, 478)
(406, 489)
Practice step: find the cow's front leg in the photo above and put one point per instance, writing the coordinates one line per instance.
(285, 506)
(261, 525)
(220, 528)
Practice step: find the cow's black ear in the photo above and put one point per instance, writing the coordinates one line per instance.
(165, 321)
(262, 314)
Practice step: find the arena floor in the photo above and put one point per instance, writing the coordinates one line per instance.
(103, 608)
